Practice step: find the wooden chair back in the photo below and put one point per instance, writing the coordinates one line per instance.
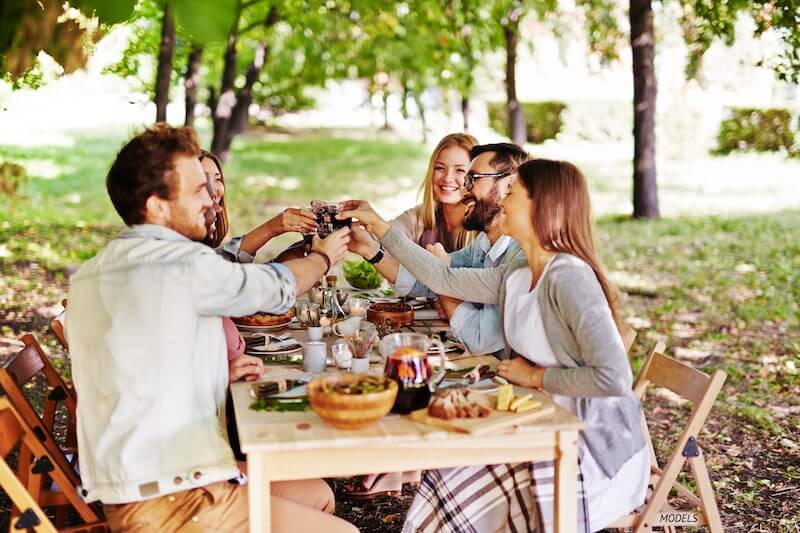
(32, 360)
(26, 491)
(57, 326)
(702, 390)
(628, 338)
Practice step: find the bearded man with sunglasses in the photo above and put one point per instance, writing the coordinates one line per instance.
(486, 184)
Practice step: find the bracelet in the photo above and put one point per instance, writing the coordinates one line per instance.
(323, 256)
(378, 256)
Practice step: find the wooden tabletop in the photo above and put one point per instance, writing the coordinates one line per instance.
(262, 431)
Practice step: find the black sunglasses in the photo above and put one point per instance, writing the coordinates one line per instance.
(470, 177)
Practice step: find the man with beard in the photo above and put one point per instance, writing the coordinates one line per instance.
(486, 184)
(148, 352)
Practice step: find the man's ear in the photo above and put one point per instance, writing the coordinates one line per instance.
(156, 210)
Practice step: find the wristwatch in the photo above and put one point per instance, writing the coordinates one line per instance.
(378, 256)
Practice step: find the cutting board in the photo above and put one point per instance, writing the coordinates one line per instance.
(495, 421)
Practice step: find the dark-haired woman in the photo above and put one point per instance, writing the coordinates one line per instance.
(558, 313)
(302, 505)
(243, 248)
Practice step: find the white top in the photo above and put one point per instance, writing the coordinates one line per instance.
(608, 499)
(149, 360)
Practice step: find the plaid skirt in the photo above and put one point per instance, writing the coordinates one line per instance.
(490, 498)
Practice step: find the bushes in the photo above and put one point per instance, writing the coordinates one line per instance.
(759, 130)
(12, 177)
(542, 119)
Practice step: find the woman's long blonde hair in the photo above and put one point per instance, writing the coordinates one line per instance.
(562, 218)
(430, 209)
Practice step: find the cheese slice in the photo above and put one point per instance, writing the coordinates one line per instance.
(519, 401)
(504, 397)
(527, 406)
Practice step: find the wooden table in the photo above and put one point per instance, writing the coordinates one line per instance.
(290, 446)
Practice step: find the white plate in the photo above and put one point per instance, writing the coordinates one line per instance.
(449, 346)
(383, 300)
(260, 329)
(260, 350)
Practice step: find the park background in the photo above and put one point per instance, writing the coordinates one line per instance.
(334, 100)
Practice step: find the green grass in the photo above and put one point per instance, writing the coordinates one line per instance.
(727, 288)
(67, 183)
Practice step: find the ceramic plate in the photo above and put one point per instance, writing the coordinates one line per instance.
(262, 351)
(261, 329)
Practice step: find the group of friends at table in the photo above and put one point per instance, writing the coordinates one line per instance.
(503, 242)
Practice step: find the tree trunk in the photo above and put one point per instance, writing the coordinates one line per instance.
(465, 111)
(385, 98)
(230, 111)
(164, 71)
(404, 101)
(223, 107)
(190, 81)
(423, 120)
(645, 189)
(240, 113)
(516, 119)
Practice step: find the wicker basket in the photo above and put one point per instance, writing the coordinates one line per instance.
(350, 411)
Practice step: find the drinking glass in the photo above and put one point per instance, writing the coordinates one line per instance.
(341, 354)
(357, 306)
(361, 340)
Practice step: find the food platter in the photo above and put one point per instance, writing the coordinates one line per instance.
(262, 322)
(263, 329)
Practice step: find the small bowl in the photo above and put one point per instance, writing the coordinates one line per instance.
(350, 411)
(397, 314)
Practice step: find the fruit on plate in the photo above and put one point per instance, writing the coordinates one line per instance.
(507, 401)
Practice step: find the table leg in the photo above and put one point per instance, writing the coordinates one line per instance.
(566, 501)
(258, 494)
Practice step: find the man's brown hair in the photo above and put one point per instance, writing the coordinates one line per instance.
(146, 166)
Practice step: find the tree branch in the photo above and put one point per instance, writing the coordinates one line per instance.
(270, 20)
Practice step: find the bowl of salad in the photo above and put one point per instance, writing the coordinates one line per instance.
(352, 401)
(362, 275)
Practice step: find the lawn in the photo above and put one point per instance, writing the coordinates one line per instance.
(723, 292)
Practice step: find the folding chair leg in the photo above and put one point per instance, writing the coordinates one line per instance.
(62, 514)
(29, 510)
(706, 491)
(661, 492)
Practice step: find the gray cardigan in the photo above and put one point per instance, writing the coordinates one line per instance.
(577, 319)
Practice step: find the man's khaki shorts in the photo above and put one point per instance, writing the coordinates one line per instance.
(220, 506)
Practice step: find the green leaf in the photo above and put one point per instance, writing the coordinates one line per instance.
(362, 275)
(109, 12)
(206, 21)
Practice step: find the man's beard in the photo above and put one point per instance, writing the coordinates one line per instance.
(184, 223)
(481, 215)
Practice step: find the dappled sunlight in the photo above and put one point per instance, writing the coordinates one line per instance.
(261, 183)
(47, 169)
(22, 137)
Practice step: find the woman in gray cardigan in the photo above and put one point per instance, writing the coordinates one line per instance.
(559, 317)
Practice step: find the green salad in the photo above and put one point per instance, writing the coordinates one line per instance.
(362, 275)
(281, 404)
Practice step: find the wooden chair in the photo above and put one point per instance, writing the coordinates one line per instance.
(702, 390)
(58, 328)
(31, 361)
(50, 465)
(628, 338)
(27, 363)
